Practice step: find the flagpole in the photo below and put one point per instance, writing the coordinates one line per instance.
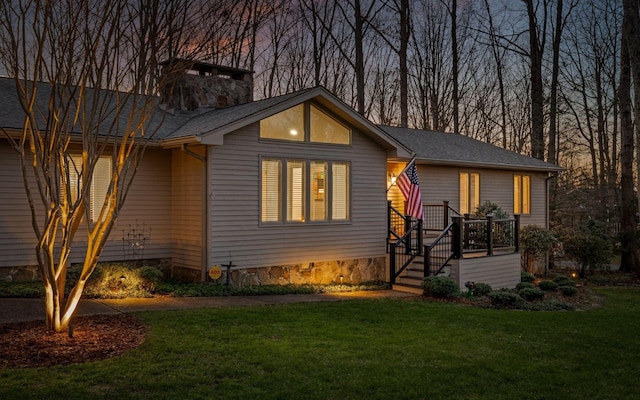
(404, 169)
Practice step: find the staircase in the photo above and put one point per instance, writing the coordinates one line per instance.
(410, 279)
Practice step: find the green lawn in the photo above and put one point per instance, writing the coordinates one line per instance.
(363, 349)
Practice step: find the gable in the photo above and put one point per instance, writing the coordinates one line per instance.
(211, 127)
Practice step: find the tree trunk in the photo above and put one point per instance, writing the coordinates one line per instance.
(553, 100)
(404, 70)
(537, 90)
(629, 260)
(454, 66)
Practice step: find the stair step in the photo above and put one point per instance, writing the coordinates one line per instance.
(407, 288)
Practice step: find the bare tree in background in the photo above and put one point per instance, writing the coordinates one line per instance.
(537, 40)
(82, 74)
(629, 67)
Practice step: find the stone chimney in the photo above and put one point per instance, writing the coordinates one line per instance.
(197, 86)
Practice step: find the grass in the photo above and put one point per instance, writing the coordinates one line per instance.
(363, 349)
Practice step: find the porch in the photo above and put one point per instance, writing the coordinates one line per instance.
(447, 243)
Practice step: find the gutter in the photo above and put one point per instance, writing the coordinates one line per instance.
(205, 207)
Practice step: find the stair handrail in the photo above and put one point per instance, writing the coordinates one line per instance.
(411, 251)
(450, 253)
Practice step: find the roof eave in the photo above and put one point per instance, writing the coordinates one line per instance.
(322, 96)
(484, 165)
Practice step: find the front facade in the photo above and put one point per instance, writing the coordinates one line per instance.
(284, 190)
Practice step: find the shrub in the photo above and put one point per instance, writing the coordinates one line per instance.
(568, 291)
(482, 289)
(555, 305)
(150, 277)
(440, 286)
(536, 241)
(523, 285)
(505, 299)
(548, 286)
(526, 277)
(489, 208)
(531, 293)
(564, 280)
(591, 247)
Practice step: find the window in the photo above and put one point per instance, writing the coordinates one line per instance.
(271, 180)
(469, 192)
(99, 184)
(319, 202)
(340, 187)
(295, 191)
(302, 191)
(521, 194)
(325, 129)
(286, 125)
(290, 125)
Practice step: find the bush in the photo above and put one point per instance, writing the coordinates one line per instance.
(568, 291)
(531, 293)
(591, 247)
(548, 286)
(536, 241)
(440, 286)
(523, 285)
(482, 289)
(555, 305)
(150, 278)
(526, 277)
(564, 280)
(489, 208)
(505, 299)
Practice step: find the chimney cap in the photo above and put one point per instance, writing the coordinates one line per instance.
(203, 68)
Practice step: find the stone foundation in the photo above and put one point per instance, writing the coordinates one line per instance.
(354, 271)
(20, 274)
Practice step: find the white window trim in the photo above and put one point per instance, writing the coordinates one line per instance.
(307, 194)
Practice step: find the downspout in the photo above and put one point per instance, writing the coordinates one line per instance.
(205, 207)
(546, 217)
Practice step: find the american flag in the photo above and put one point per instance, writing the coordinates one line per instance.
(410, 187)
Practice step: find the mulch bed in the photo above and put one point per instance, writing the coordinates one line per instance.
(97, 337)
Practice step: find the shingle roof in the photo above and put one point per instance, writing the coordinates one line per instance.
(430, 147)
(215, 119)
(12, 114)
(441, 148)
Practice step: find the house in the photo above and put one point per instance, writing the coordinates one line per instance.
(290, 189)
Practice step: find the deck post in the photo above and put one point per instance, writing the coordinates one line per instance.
(445, 208)
(489, 235)
(392, 264)
(457, 238)
(516, 237)
(420, 237)
(427, 261)
(407, 228)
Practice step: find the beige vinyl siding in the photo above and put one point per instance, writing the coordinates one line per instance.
(236, 232)
(148, 201)
(439, 184)
(148, 206)
(16, 234)
(187, 208)
(502, 271)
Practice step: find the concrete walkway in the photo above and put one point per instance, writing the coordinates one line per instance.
(19, 310)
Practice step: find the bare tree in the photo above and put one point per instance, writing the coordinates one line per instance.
(629, 67)
(537, 40)
(81, 70)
